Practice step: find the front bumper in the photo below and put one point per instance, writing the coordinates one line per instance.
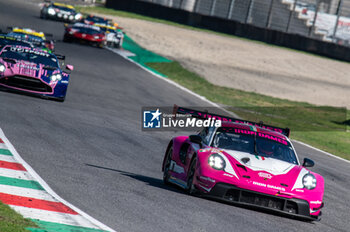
(61, 17)
(33, 86)
(292, 207)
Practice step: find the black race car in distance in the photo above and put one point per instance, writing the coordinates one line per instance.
(60, 12)
(93, 19)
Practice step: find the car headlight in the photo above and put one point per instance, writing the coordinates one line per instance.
(51, 11)
(217, 162)
(96, 37)
(309, 181)
(2, 68)
(56, 77)
(78, 16)
(71, 17)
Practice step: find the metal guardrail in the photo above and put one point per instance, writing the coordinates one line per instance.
(327, 20)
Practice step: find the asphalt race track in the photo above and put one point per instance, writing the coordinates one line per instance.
(91, 150)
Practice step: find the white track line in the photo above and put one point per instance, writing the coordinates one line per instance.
(84, 215)
(8, 158)
(324, 152)
(55, 217)
(210, 102)
(26, 192)
(3, 146)
(23, 175)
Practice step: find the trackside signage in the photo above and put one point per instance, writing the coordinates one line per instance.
(162, 118)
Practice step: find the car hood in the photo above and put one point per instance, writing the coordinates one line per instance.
(269, 174)
(25, 68)
(258, 163)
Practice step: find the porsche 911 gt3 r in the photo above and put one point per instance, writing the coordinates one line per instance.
(244, 163)
(34, 71)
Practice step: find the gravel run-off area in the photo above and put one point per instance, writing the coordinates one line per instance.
(247, 65)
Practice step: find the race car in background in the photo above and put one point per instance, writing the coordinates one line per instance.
(9, 40)
(32, 36)
(60, 12)
(93, 19)
(33, 71)
(85, 33)
(244, 163)
(114, 36)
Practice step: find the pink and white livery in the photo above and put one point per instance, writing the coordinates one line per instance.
(244, 163)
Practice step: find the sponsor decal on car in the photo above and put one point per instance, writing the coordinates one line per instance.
(269, 186)
(260, 157)
(265, 175)
(229, 175)
(263, 135)
(206, 179)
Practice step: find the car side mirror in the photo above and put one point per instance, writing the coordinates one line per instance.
(196, 139)
(308, 163)
(70, 67)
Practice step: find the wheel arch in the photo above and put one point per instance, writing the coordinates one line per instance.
(166, 152)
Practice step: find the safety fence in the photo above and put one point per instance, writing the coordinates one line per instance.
(327, 20)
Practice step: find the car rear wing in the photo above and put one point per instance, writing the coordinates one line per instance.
(205, 115)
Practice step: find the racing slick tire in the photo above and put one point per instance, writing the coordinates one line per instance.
(66, 39)
(60, 99)
(116, 45)
(167, 163)
(42, 15)
(100, 45)
(191, 188)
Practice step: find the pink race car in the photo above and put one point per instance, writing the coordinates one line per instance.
(244, 163)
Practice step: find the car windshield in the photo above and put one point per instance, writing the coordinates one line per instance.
(35, 56)
(23, 36)
(86, 30)
(256, 143)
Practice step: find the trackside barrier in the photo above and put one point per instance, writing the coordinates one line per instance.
(280, 38)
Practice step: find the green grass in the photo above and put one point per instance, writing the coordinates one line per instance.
(322, 127)
(10, 221)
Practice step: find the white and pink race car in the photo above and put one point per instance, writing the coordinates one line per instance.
(244, 163)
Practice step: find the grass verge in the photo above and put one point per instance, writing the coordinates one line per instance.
(322, 127)
(11, 221)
